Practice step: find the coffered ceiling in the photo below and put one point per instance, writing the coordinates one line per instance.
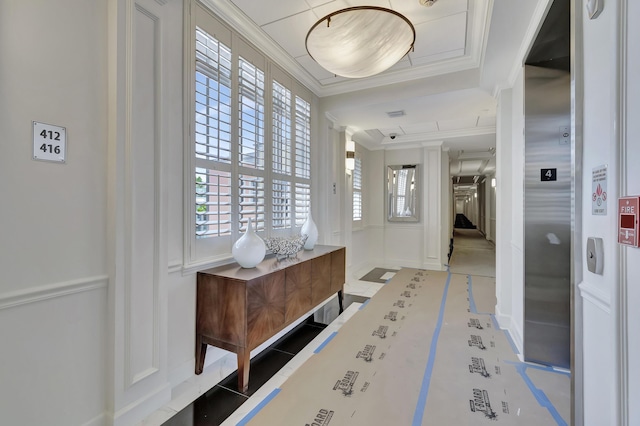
(440, 93)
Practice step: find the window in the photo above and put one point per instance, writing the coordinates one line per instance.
(251, 145)
(251, 152)
(357, 189)
(212, 137)
(302, 175)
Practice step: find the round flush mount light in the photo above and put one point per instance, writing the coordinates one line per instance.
(360, 41)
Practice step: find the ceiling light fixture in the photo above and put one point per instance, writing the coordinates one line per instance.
(360, 41)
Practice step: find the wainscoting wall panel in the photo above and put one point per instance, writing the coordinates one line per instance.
(142, 203)
(600, 383)
(61, 355)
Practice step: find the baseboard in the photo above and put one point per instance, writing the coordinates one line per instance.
(516, 337)
(398, 263)
(214, 360)
(136, 411)
(434, 266)
(507, 324)
(504, 321)
(99, 420)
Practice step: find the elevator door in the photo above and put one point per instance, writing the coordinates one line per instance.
(547, 217)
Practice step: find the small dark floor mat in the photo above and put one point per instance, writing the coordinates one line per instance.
(376, 275)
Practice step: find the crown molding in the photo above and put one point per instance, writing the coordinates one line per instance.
(333, 120)
(233, 16)
(476, 42)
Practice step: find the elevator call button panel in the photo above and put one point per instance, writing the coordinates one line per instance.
(628, 211)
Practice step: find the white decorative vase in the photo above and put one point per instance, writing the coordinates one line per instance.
(249, 250)
(310, 229)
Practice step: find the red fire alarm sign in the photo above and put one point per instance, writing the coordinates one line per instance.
(628, 220)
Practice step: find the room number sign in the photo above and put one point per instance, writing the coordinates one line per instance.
(49, 142)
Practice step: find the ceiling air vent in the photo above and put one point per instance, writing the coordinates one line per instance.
(394, 114)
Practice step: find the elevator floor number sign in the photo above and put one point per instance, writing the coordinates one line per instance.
(49, 142)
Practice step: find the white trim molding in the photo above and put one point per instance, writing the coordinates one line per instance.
(51, 291)
(534, 25)
(596, 296)
(143, 138)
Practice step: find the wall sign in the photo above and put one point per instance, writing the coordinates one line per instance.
(599, 191)
(49, 142)
(547, 175)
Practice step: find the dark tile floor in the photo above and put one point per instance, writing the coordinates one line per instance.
(222, 400)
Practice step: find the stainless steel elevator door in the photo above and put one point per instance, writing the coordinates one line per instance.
(547, 217)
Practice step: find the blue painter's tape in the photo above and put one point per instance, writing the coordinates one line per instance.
(514, 348)
(258, 407)
(472, 303)
(495, 322)
(365, 303)
(548, 369)
(426, 380)
(323, 344)
(540, 396)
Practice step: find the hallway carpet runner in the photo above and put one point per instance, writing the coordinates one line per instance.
(422, 351)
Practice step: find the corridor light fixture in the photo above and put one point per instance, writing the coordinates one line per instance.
(350, 162)
(360, 41)
(493, 182)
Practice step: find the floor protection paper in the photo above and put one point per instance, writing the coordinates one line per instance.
(418, 353)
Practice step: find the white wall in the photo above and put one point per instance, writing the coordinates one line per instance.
(517, 210)
(53, 291)
(605, 384)
(374, 212)
(513, 288)
(504, 123)
(598, 291)
(631, 186)
(490, 200)
(63, 293)
(423, 244)
(510, 205)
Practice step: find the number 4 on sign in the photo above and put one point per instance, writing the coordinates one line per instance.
(548, 174)
(50, 148)
(49, 142)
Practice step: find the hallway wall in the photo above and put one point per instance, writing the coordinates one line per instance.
(509, 188)
(598, 292)
(630, 184)
(53, 291)
(67, 322)
(423, 244)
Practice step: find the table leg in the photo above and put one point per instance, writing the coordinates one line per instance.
(340, 301)
(201, 351)
(244, 362)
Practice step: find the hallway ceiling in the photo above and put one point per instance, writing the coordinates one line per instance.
(441, 93)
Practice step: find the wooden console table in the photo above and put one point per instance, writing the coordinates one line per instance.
(239, 309)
